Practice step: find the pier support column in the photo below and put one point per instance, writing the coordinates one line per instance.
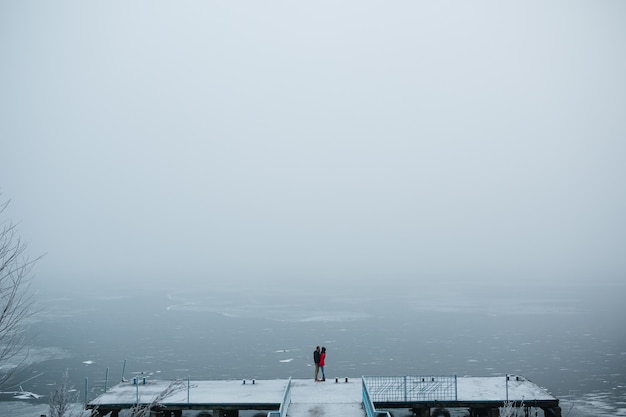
(552, 412)
(104, 412)
(421, 412)
(167, 413)
(484, 412)
(226, 413)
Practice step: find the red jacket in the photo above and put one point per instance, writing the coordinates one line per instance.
(322, 359)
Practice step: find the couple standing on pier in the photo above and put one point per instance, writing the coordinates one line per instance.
(319, 358)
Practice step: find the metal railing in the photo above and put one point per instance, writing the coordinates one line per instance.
(370, 410)
(398, 389)
(284, 404)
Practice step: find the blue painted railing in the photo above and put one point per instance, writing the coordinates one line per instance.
(369, 404)
(284, 404)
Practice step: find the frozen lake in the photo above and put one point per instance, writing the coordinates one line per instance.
(567, 340)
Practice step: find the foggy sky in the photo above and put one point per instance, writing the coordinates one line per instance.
(289, 142)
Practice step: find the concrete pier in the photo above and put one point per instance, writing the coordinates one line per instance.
(367, 396)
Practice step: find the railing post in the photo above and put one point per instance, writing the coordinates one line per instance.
(405, 389)
(507, 387)
(123, 370)
(86, 389)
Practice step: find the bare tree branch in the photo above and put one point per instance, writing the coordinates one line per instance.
(16, 303)
(144, 410)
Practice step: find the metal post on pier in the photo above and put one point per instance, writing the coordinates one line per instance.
(106, 379)
(507, 388)
(405, 389)
(123, 370)
(86, 388)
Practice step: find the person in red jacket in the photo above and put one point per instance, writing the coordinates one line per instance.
(323, 362)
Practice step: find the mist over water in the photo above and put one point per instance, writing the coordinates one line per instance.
(421, 187)
(566, 339)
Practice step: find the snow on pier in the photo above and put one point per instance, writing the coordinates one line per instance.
(348, 397)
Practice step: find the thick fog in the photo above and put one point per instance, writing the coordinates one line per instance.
(295, 145)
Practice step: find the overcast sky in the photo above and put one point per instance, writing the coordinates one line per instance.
(274, 142)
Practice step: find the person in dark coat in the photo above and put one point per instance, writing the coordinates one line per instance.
(316, 360)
